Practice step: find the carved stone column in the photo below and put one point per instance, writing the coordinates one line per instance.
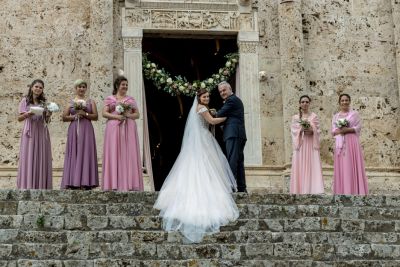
(396, 29)
(101, 60)
(132, 40)
(250, 95)
(292, 64)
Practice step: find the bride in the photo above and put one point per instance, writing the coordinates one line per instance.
(195, 198)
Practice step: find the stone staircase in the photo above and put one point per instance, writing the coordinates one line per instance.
(92, 228)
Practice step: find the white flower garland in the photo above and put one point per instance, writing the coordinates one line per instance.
(180, 85)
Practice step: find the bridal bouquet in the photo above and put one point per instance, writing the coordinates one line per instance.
(340, 123)
(122, 108)
(305, 124)
(79, 104)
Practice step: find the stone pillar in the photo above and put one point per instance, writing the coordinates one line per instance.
(132, 40)
(396, 29)
(292, 64)
(101, 60)
(250, 95)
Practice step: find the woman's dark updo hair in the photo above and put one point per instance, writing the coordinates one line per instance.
(301, 97)
(199, 93)
(342, 95)
(117, 83)
(29, 96)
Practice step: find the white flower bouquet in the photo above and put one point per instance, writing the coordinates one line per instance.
(340, 123)
(122, 108)
(53, 107)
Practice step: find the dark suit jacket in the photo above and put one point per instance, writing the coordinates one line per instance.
(234, 111)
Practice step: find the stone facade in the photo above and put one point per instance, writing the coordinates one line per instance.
(315, 47)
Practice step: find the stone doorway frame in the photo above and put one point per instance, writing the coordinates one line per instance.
(185, 18)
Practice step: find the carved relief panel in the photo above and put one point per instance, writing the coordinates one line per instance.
(188, 20)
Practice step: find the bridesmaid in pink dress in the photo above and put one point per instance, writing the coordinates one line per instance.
(35, 166)
(349, 171)
(306, 175)
(122, 167)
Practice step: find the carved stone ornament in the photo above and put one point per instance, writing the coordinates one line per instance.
(247, 47)
(188, 19)
(132, 43)
(244, 2)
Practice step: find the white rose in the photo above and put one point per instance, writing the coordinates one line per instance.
(234, 60)
(194, 85)
(153, 65)
(203, 85)
(181, 88)
(228, 64)
(158, 71)
(148, 66)
(169, 80)
(210, 80)
(161, 80)
(217, 76)
(119, 109)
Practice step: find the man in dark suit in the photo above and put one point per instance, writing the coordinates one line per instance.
(234, 132)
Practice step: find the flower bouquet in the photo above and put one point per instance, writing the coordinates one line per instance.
(340, 123)
(79, 104)
(122, 108)
(305, 124)
(52, 107)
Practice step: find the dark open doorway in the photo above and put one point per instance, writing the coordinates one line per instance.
(190, 58)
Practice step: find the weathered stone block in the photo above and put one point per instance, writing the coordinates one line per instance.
(8, 208)
(8, 236)
(97, 222)
(39, 263)
(78, 263)
(231, 251)
(122, 222)
(292, 250)
(258, 251)
(148, 236)
(352, 225)
(303, 224)
(360, 251)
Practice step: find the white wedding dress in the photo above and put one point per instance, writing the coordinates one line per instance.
(195, 198)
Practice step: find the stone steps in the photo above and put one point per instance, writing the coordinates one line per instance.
(91, 228)
(198, 263)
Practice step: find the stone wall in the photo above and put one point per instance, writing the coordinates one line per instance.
(340, 46)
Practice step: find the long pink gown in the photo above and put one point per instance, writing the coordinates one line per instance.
(306, 175)
(35, 166)
(122, 167)
(349, 176)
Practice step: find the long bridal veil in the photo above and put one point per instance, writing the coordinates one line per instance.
(195, 198)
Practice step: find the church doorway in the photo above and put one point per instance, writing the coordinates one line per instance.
(195, 59)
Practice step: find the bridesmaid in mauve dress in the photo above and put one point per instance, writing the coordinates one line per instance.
(306, 175)
(122, 167)
(80, 163)
(349, 176)
(35, 166)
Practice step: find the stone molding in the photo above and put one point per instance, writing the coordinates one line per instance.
(231, 5)
(188, 20)
(132, 43)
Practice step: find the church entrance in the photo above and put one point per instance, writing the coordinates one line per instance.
(195, 59)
